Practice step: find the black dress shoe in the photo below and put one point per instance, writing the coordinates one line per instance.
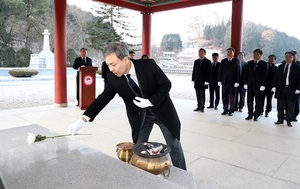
(248, 118)
(241, 110)
(197, 109)
(201, 110)
(224, 113)
(209, 107)
(230, 114)
(216, 108)
(294, 119)
(289, 124)
(266, 115)
(278, 122)
(255, 119)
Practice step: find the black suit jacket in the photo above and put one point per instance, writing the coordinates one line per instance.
(201, 73)
(78, 62)
(294, 81)
(243, 66)
(271, 74)
(255, 78)
(229, 72)
(104, 70)
(214, 75)
(154, 86)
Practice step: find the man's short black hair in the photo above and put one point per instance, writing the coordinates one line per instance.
(259, 51)
(215, 54)
(272, 55)
(83, 48)
(130, 52)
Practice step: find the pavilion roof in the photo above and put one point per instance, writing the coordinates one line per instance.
(151, 6)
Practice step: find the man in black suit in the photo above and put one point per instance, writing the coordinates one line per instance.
(255, 82)
(229, 78)
(268, 92)
(296, 112)
(144, 88)
(81, 61)
(214, 88)
(240, 90)
(287, 88)
(201, 77)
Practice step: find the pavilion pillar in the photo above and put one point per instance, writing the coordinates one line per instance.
(60, 80)
(237, 25)
(146, 34)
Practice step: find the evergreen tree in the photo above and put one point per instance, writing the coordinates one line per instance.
(117, 19)
(171, 42)
(101, 33)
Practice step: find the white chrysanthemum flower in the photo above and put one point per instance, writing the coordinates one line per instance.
(30, 138)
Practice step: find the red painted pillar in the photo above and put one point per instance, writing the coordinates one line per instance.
(146, 33)
(60, 81)
(237, 25)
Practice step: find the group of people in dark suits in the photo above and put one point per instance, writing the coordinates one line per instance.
(259, 78)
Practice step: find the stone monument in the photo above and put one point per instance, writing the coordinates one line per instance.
(45, 59)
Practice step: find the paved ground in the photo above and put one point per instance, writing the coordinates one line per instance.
(221, 151)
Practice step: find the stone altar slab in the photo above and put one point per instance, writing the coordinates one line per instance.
(62, 163)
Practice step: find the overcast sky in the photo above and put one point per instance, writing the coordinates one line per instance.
(277, 14)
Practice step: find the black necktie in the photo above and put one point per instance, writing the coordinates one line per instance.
(83, 61)
(255, 64)
(133, 85)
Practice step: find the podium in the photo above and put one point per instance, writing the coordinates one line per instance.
(87, 86)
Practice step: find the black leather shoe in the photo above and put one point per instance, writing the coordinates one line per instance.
(278, 122)
(248, 118)
(230, 114)
(201, 110)
(241, 110)
(197, 109)
(216, 108)
(289, 124)
(255, 119)
(224, 113)
(209, 107)
(294, 119)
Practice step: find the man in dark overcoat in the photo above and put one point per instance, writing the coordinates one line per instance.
(201, 77)
(287, 88)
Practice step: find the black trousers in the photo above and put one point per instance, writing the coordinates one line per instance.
(269, 96)
(284, 104)
(176, 153)
(254, 94)
(200, 94)
(228, 93)
(296, 111)
(214, 90)
(240, 97)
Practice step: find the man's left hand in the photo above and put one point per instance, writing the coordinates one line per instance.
(206, 83)
(262, 88)
(236, 84)
(141, 102)
(297, 92)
